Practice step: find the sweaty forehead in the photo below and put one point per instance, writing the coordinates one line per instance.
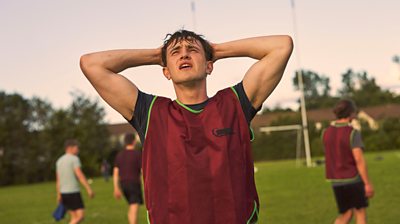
(182, 41)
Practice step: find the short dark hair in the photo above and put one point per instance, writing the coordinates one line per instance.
(188, 36)
(70, 142)
(344, 108)
(129, 138)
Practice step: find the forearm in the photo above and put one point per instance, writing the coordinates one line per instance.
(82, 179)
(116, 180)
(272, 54)
(119, 60)
(85, 183)
(362, 170)
(256, 47)
(58, 188)
(102, 68)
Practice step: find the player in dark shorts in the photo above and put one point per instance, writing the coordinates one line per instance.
(72, 201)
(126, 176)
(197, 160)
(69, 174)
(345, 164)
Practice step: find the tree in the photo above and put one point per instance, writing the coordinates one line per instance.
(32, 134)
(91, 130)
(348, 83)
(14, 136)
(40, 112)
(84, 121)
(364, 90)
(316, 89)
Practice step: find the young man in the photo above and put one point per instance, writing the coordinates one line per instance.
(197, 162)
(126, 175)
(68, 172)
(345, 165)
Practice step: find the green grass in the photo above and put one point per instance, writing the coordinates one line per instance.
(288, 194)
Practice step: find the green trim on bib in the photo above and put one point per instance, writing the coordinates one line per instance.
(188, 108)
(255, 211)
(148, 115)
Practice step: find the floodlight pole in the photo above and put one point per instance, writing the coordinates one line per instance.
(304, 119)
(301, 88)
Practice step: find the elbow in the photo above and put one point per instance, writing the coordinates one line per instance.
(287, 44)
(286, 47)
(84, 62)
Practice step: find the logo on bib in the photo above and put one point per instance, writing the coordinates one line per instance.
(219, 132)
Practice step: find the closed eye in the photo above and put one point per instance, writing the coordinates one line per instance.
(193, 48)
(174, 50)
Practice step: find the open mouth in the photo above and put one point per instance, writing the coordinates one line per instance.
(185, 66)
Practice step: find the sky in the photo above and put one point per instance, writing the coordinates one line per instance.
(41, 41)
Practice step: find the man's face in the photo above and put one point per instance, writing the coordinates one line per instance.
(186, 62)
(75, 149)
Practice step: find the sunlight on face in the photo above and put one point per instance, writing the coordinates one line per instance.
(180, 47)
(186, 61)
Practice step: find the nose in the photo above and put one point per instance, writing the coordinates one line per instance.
(185, 54)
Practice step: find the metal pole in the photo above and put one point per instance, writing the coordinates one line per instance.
(298, 146)
(304, 119)
(396, 60)
(280, 128)
(301, 88)
(193, 6)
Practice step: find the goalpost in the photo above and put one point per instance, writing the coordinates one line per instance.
(298, 128)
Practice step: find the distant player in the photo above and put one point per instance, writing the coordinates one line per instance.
(69, 174)
(346, 167)
(126, 175)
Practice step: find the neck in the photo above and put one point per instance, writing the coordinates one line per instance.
(193, 93)
(130, 147)
(343, 120)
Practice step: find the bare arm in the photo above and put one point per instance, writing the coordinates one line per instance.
(102, 68)
(58, 188)
(272, 53)
(362, 170)
(82, 179)
(117, 191)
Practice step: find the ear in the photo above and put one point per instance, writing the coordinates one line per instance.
(209, 67)
(166, 73)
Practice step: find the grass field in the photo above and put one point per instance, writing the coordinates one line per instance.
(288, 194)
